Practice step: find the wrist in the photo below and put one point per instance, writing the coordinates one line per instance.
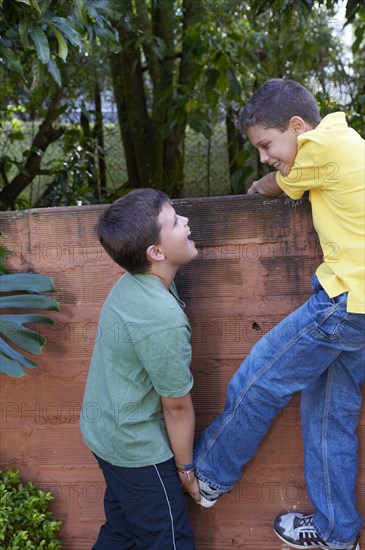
(186, 474)
(184, 467)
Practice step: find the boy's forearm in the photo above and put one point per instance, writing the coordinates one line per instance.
(180, 423)
(266, 186)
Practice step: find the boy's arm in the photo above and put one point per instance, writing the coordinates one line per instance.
(180, 423)
(266, 186)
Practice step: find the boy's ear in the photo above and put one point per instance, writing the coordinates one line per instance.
(154, 253)
(298, 125)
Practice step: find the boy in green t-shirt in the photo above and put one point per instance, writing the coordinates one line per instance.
(137, 416)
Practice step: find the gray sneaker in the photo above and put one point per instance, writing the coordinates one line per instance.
(297, 531)
(209, 496)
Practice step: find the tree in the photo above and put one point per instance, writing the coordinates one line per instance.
(37, 38)
(173, 64)
(244, 50)
(201, 64)
(153, 75)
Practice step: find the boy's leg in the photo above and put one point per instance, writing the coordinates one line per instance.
(153, 506)
(330, 411)
(115, 534)
(286, 360)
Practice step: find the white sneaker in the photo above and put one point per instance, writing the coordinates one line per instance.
(297, 531)
(209, 496)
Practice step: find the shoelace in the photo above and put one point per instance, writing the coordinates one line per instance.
(305, 521)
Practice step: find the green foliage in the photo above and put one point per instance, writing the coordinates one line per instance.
(20, 291)
(189, 76)
(25, 521)
(261, 40)
(240, 176)
(4, 253)
(41, 33)
(69, 173)
(284, 9)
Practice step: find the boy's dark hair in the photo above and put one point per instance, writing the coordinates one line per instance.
(129, 226)
(275, 103)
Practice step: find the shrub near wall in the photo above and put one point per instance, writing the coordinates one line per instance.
(25, 521)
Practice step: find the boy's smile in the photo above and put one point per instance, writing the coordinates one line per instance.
(276, 148)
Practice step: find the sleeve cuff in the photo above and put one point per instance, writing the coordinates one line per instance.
(295, 194)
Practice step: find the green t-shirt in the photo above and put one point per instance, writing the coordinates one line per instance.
(142, 351)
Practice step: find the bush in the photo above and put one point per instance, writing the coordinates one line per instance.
(25, 522)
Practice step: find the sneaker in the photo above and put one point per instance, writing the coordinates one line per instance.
(209, 496)
(297, 531)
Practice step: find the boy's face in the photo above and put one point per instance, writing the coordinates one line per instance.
(174, 237)
(276, 148)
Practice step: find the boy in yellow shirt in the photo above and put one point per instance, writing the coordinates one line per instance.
(325, 356)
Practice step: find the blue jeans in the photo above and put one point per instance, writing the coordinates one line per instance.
(319, 350)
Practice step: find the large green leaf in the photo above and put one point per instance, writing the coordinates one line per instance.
(35, 5)
(33, 301)
(12, 329)
(31, 282)
(10, 367)
(62, 44)
(67, 30)
(54, 71)
(79, 7)
(14, 355)
(10, 59)
(38, 75)
(23, 28)
(40, 40)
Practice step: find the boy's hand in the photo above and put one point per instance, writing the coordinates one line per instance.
(266, 186)
(251, 190)
(190, 485)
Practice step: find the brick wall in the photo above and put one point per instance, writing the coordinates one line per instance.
(255, 264)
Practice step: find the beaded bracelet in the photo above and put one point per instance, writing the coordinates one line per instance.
(185, 469)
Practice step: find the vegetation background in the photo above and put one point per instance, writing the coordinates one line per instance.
(101, 96)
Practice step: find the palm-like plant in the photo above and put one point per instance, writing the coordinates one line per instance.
(21, 291)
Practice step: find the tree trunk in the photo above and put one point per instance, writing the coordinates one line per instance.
(126, 136)
(99, 134)
(235, 140)
(174, 162)
(144, 136)
(153, 158)
(174, 142)
(87, 144)
(45, 136)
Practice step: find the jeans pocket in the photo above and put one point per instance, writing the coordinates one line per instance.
(332, 326)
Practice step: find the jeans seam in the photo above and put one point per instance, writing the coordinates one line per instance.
(326, 475)
(347, 320)
(336, 334)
